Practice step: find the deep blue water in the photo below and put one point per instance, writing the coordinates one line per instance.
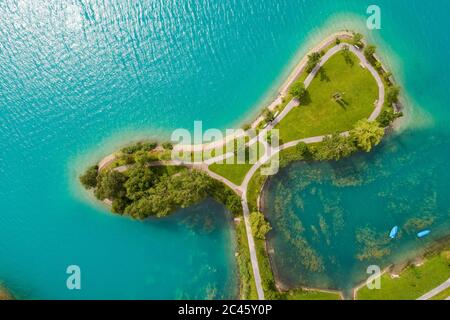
(80, 78)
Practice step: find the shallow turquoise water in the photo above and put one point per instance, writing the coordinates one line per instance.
(79, 78)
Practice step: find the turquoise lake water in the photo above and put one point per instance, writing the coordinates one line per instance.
(80, 78)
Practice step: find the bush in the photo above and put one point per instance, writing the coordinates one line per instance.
(167, 146)
(268, 115)
(334, 147)
(89, 178)
(369, 51)
(388, 116)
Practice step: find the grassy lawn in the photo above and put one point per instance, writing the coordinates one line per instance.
(320, 114)
(413, 282)
(236, 172)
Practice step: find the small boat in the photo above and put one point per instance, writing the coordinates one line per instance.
(393, 232)
(423, 233)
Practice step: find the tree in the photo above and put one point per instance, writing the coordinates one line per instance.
(387, 77)
(313, 60)
(367, 134)
(392, 95)
(167, 146)
(369, 51)
(111, 185)
(298, 90)
(149, 146)
(357, 39)
(142, 157)
(387, 116)
(177, 191)
(89, 178)
(268, 115)
(335, 147)
(260, 226)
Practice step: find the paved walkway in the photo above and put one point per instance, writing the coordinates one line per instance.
(436, 291)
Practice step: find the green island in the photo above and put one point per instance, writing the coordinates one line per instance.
(338, 101)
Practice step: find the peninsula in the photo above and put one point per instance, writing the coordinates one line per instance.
(338, 101)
